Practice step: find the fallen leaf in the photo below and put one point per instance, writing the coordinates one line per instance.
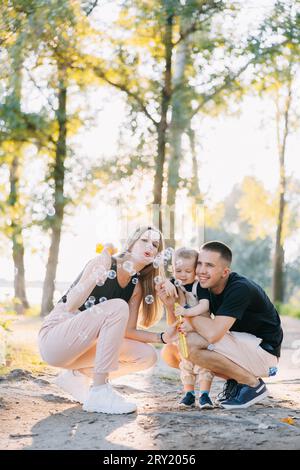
(288, 420)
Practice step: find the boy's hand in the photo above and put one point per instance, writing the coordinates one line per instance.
(179, 310)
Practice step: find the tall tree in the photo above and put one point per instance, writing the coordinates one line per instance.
(18, 131)
(62, 29)
(172, 60)
(277, 77)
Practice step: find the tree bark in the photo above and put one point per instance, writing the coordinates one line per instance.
(59, 201)
(278, 262)
(20, 302)
(177, 126)
(163, 123)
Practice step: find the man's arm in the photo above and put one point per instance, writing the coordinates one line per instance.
(211, 330)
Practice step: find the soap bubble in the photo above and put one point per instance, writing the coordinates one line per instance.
(111, 274)
(158, 279)
(168, 254)
(135, 280)
(50, 211)
(177, 283)
(103, 299)
(149, 299)
(128, 266)
(92, 299)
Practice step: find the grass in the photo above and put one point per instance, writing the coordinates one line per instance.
(22, 357)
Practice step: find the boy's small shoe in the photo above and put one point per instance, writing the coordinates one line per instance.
(188, 400)
(205, 402)
(246, 396)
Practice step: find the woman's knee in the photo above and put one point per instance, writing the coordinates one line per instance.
(114, 306)
(148, 356)
(121, 307)
(170, 355)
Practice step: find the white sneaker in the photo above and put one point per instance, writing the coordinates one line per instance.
(74, 383)
(105, 399)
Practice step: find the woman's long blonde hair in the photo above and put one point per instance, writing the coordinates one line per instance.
(149, 314)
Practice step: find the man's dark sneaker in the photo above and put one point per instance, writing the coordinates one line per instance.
(188, 400)
(229, 391)
(246, 396)
(205, 402)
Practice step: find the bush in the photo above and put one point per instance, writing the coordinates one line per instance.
(290, 310)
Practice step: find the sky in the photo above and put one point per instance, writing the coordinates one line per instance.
(230, 147)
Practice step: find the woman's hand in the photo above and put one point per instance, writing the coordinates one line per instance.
(170, 335)
(169, 289)
(99, 266)
(185, 326)
(161, 292)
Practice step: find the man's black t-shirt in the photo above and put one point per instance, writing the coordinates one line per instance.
(246, 301)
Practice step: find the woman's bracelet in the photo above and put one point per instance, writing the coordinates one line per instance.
(161, 337)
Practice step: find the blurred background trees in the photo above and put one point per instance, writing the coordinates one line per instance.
(175, 65)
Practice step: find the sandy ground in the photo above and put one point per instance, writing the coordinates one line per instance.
(35, 414)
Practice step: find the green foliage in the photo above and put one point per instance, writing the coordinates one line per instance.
(288, 310)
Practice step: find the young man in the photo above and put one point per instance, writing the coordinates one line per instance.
(242, 343)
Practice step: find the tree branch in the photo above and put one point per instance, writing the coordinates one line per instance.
(124, 88)
(89, 10)
(229, 79)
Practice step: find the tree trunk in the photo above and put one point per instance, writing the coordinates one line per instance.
(163, 124)
(59, 201)
(278, 263)
(177, 126)
(21, 302)
(195, 185)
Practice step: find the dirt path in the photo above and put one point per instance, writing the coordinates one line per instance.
(34, 414)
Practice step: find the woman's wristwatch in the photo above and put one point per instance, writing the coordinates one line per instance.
(161, 337)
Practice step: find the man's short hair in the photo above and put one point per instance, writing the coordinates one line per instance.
(219, 247)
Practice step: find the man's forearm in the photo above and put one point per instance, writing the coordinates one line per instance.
(204, 327)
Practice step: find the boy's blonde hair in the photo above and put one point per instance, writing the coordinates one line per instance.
(186, 253)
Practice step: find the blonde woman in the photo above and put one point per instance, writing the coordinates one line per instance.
(93, 330)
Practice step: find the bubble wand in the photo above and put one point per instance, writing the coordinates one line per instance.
(182, 339)
(109, 247)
